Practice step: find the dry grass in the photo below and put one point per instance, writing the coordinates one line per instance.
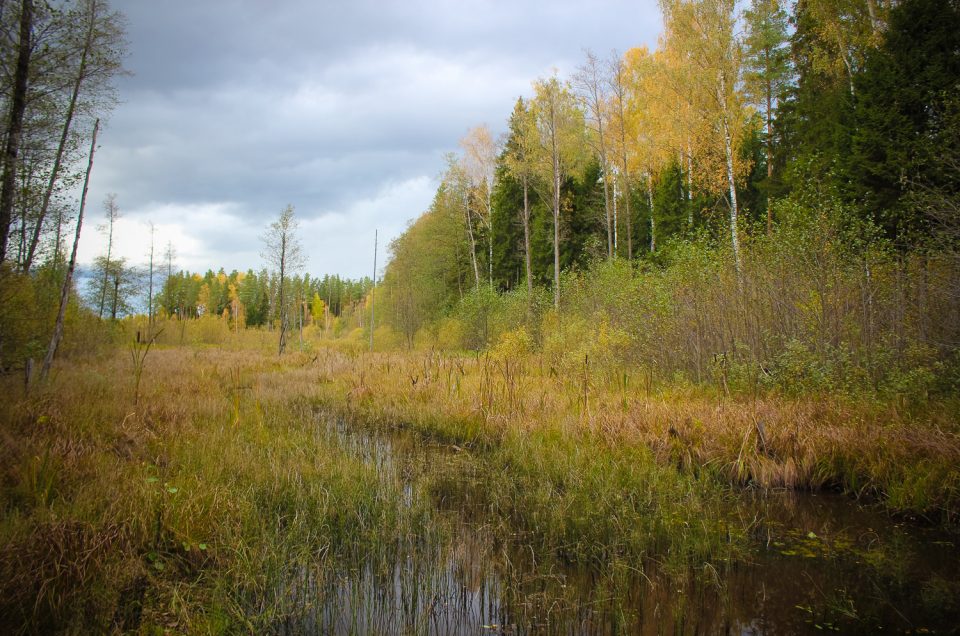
(909, 460)
(188, 511)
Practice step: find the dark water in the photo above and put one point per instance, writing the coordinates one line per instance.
(818, 563)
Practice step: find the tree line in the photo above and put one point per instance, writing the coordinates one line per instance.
(835, 124)
(730, 111)
(251, 298)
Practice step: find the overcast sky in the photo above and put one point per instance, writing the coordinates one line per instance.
(344, 109)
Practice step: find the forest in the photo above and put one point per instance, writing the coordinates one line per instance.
(688, 330)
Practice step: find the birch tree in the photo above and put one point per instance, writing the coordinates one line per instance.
(560, 127)
(699, 34)
(282, 249)
(479, 163)
(520, 158)
(456, 188)
(68, 279)
(592, 91)
(112, 212)
(618, 131)
(846, 30)
(93, 46)
(150, 275)
(14, 124)
(650, 123)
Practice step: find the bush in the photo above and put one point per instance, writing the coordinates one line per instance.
(512, 345)
(450, 334)
(386, 339)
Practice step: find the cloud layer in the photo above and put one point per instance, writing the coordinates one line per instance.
(345, 110)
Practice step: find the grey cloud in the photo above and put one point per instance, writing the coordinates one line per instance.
(257, 103)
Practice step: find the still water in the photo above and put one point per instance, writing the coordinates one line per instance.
(817, 563)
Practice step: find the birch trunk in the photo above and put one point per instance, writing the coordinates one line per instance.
(282, 306)
(629, 215)
(731, 182)
(556, 236)
(769, 147)
(64, 135)
(490, 236)
(653, 221)
(614, 217)
(65, 290)
(556, 208)
(526, 238)
(473, 244)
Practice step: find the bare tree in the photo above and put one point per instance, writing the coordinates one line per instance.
(282, 249)
(65, 290)
(112, 212)
(456, 181)
(616, 79)
(559, 123)
(479, 163)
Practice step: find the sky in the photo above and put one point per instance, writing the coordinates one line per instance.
(344, 109)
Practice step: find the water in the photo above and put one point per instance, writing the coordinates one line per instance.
(818, 563)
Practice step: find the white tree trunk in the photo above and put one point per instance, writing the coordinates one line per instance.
(731, 182)
(556, 234)
(526, 238)
(653, 220)
(473, 244)
(615, 216)
(65, 290)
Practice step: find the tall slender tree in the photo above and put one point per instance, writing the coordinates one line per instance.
(150, 275)
(93, 47)
(656, 130)
(479, 163)
(560, 125)
(617, 82)
(592, 90)
(766, 68)
(519, 157)
(112, 212)
(699, 36)
(68, 279)
(456, 187)
(282, 249)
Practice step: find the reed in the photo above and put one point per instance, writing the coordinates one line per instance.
(179, 514)
(904, 458)
(202, 512)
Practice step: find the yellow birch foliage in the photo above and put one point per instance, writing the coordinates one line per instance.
(700, 64)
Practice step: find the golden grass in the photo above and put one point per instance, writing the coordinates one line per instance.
(910, 461)
(190, 510)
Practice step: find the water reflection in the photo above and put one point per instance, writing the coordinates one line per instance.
(819, 563)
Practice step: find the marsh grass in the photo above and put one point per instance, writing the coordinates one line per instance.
(179, 514)
(217, 501)
(905, 458)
